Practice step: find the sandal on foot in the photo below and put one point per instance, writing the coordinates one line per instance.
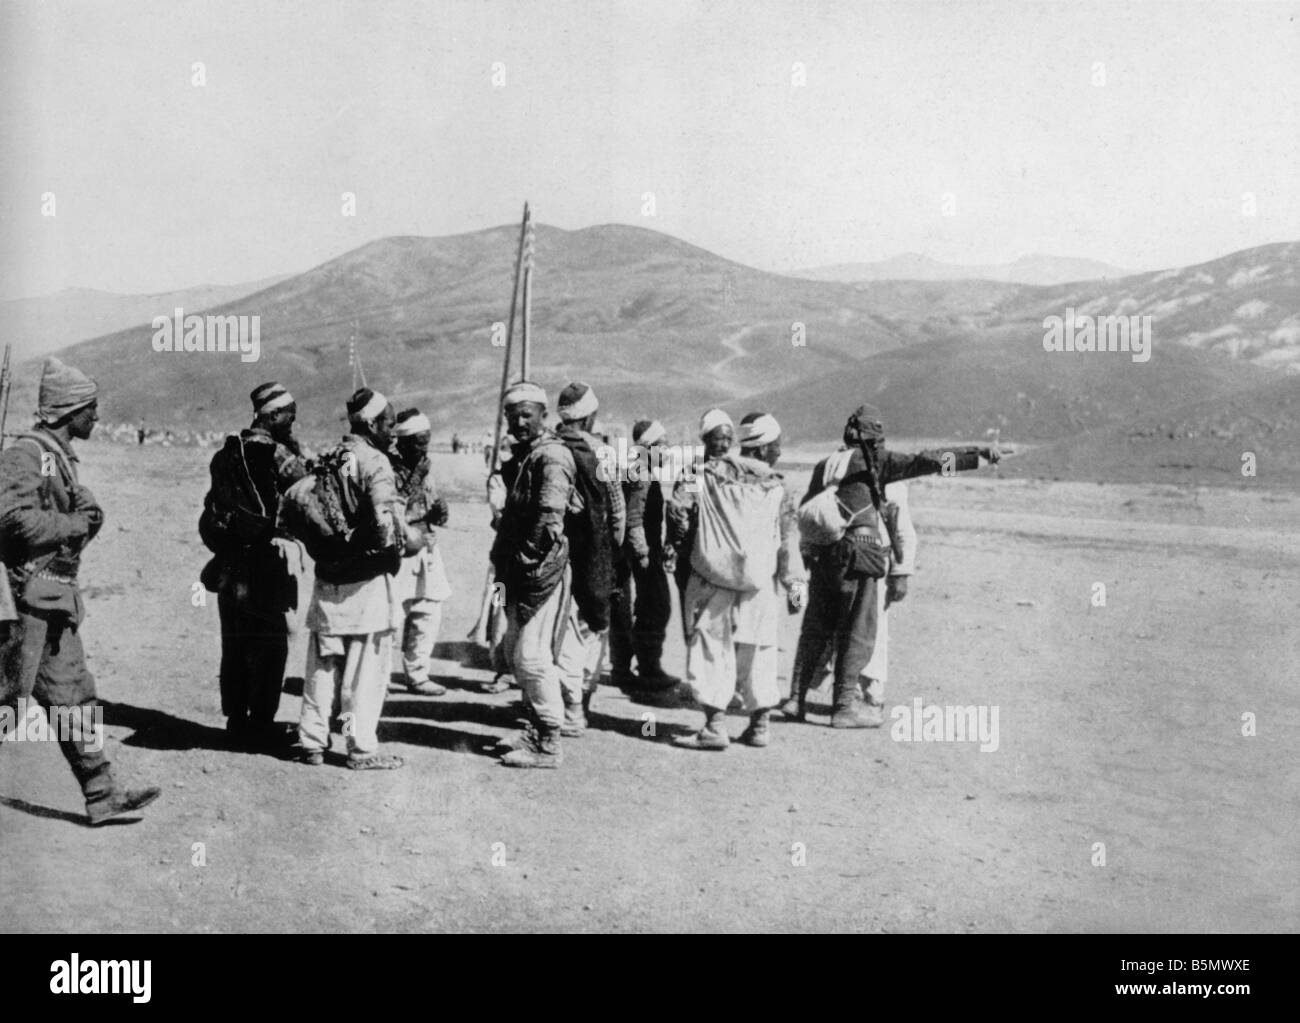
(374, 762)
(500, 684)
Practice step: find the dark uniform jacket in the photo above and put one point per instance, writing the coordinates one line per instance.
(855, 491)
(531, 549)
(46, 520)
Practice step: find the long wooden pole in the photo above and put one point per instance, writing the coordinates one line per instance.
(510, 336)
(528, 300)
(479, 630)
(5, 383)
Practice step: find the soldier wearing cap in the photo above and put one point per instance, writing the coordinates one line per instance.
(46, 520)
(843, 600)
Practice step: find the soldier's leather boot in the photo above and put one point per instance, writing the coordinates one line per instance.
(120, 803)
(850, 711)
(795, 706)
(652, 676)
(541, 751)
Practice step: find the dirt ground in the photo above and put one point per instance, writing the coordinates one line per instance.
(1119, 724)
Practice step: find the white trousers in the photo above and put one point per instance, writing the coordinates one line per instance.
(581, 652)
(530, 648)
(359, 666)
(419, 636)
(715, 663)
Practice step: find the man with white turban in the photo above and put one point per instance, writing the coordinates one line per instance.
(596, 524)
(642, 603)
(255, 568)
(530, 557)
(729, 530)
(758, 621)
(422, 581)
(354, 609)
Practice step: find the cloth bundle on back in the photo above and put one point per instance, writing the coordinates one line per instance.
(738, 531)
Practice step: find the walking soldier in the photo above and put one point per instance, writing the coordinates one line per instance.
(46, 520)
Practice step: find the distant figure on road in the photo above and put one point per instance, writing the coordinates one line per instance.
(455, 444)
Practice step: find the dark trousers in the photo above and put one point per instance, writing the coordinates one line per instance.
(639, 623)
(840, 621)
(254, 649)
(42, 659)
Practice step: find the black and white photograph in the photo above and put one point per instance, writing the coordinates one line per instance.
(674, 467)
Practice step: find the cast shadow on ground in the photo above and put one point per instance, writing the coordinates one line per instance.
(80, 819)
(446, 710)
(453, 740)
(156, 729)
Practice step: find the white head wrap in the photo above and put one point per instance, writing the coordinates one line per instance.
(410, 427)
(712, 419)
(577, 408)
(652, 433)
(525, 391)
(372, 409)
(762, 430)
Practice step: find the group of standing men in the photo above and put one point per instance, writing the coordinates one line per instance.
(582, 555)
(730, 535)
(366, 512)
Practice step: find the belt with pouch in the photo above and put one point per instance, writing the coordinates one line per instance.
(868, 536)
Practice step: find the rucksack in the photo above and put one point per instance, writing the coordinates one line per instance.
(824, 519)
(738, 532)
(321, 509)
(240, 508)
(591, 543)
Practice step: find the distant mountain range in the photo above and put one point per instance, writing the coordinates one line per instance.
(37, 326)
(1035, 268)
(663, 328)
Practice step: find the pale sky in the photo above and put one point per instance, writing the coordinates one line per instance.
(1127, 132)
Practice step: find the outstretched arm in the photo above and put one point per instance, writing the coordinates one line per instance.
(897, 466)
